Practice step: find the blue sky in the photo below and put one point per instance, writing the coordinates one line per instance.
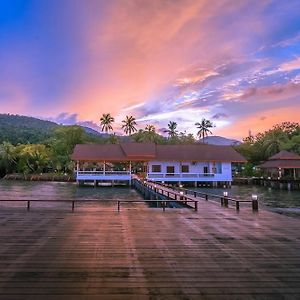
(234, 62)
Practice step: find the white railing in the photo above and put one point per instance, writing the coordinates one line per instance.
(103, 175)
(180, 175)
(92, 173)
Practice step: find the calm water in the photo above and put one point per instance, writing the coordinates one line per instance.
(61, 191)
(281, 201)
(287, 202)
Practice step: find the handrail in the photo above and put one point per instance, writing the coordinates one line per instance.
(223, 199)
(73, 201)
(103, 172)
(180, 175)
(184, 198)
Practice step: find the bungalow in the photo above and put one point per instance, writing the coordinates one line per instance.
(283, 165)
(160, 163)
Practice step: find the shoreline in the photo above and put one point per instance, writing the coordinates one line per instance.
(40, 177)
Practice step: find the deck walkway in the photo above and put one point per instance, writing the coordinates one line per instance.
(142, 253)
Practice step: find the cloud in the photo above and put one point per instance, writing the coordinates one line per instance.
(290, 65)
(219, 116)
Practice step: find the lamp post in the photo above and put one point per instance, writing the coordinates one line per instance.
(225, 199)
(181, 195)
(254, 202)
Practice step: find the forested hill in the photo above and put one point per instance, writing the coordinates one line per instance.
(21, 129)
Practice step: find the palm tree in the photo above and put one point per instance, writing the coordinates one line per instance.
(172, 132)
(150, 128)
(203, 127)
(106, 122)
(274, 142)
(8, 156)
(129, 125)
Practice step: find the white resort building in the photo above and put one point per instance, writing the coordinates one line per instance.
(160, 163)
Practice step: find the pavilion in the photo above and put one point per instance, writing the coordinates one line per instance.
(159, 163)
(283, 165)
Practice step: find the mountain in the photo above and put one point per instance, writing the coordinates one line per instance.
(220, 141)
(22, 129)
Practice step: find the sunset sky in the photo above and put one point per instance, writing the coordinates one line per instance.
(236, 63)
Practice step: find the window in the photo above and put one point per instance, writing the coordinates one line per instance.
(170, 169)
(205, 170)
(185, 169)
(156, 168)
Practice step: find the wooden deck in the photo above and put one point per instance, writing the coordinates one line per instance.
(143, 253)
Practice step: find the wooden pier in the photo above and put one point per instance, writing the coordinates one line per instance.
(97, 252)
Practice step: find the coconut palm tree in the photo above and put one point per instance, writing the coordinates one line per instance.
(129, 125)
(106, 122)
(171, 131)
(204, 128)
(8, 155)
(274, 142)
(150, 128)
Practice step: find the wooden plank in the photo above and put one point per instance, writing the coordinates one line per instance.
(143, 253)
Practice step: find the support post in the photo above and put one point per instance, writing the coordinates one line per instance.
(237, 205)
(28, 205)
(255, 205)
(73, 205)
(130, 173)
(225, 201)
(196, 205)
(118, 206)
(77, 170)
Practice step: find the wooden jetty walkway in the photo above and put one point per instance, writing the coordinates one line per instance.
(97, 252)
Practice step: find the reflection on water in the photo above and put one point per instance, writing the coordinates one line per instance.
(61, 191)
(277, 200)
(13, 190)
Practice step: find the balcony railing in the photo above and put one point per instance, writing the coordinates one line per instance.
(92, 173)
(103, 175)
(180, 175)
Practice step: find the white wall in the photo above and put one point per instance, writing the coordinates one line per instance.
(197, 168)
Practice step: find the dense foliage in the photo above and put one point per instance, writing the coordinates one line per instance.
(23, 130)
(258, 148)
(29, 145)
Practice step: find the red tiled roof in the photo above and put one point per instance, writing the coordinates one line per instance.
(284, 164)
(283, 155)
(150, 151)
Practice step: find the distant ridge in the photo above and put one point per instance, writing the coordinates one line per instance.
(220, 141)
(23, 129)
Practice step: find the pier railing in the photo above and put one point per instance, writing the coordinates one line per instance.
(224, 200)
(150, 190)
(73, 202)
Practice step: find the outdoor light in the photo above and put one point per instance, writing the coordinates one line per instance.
(225, 194)
(254, 197)
(181, 193)
(269, 178)
(155, 186)
(180, 185)
(163, 182)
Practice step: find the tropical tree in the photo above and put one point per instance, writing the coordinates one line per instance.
(113, 139)
(129, 125)
(274, 142)
(150, 128)
(172, 131)
(204, 128)
(8, 156)
(106, 122)
(34, 158)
